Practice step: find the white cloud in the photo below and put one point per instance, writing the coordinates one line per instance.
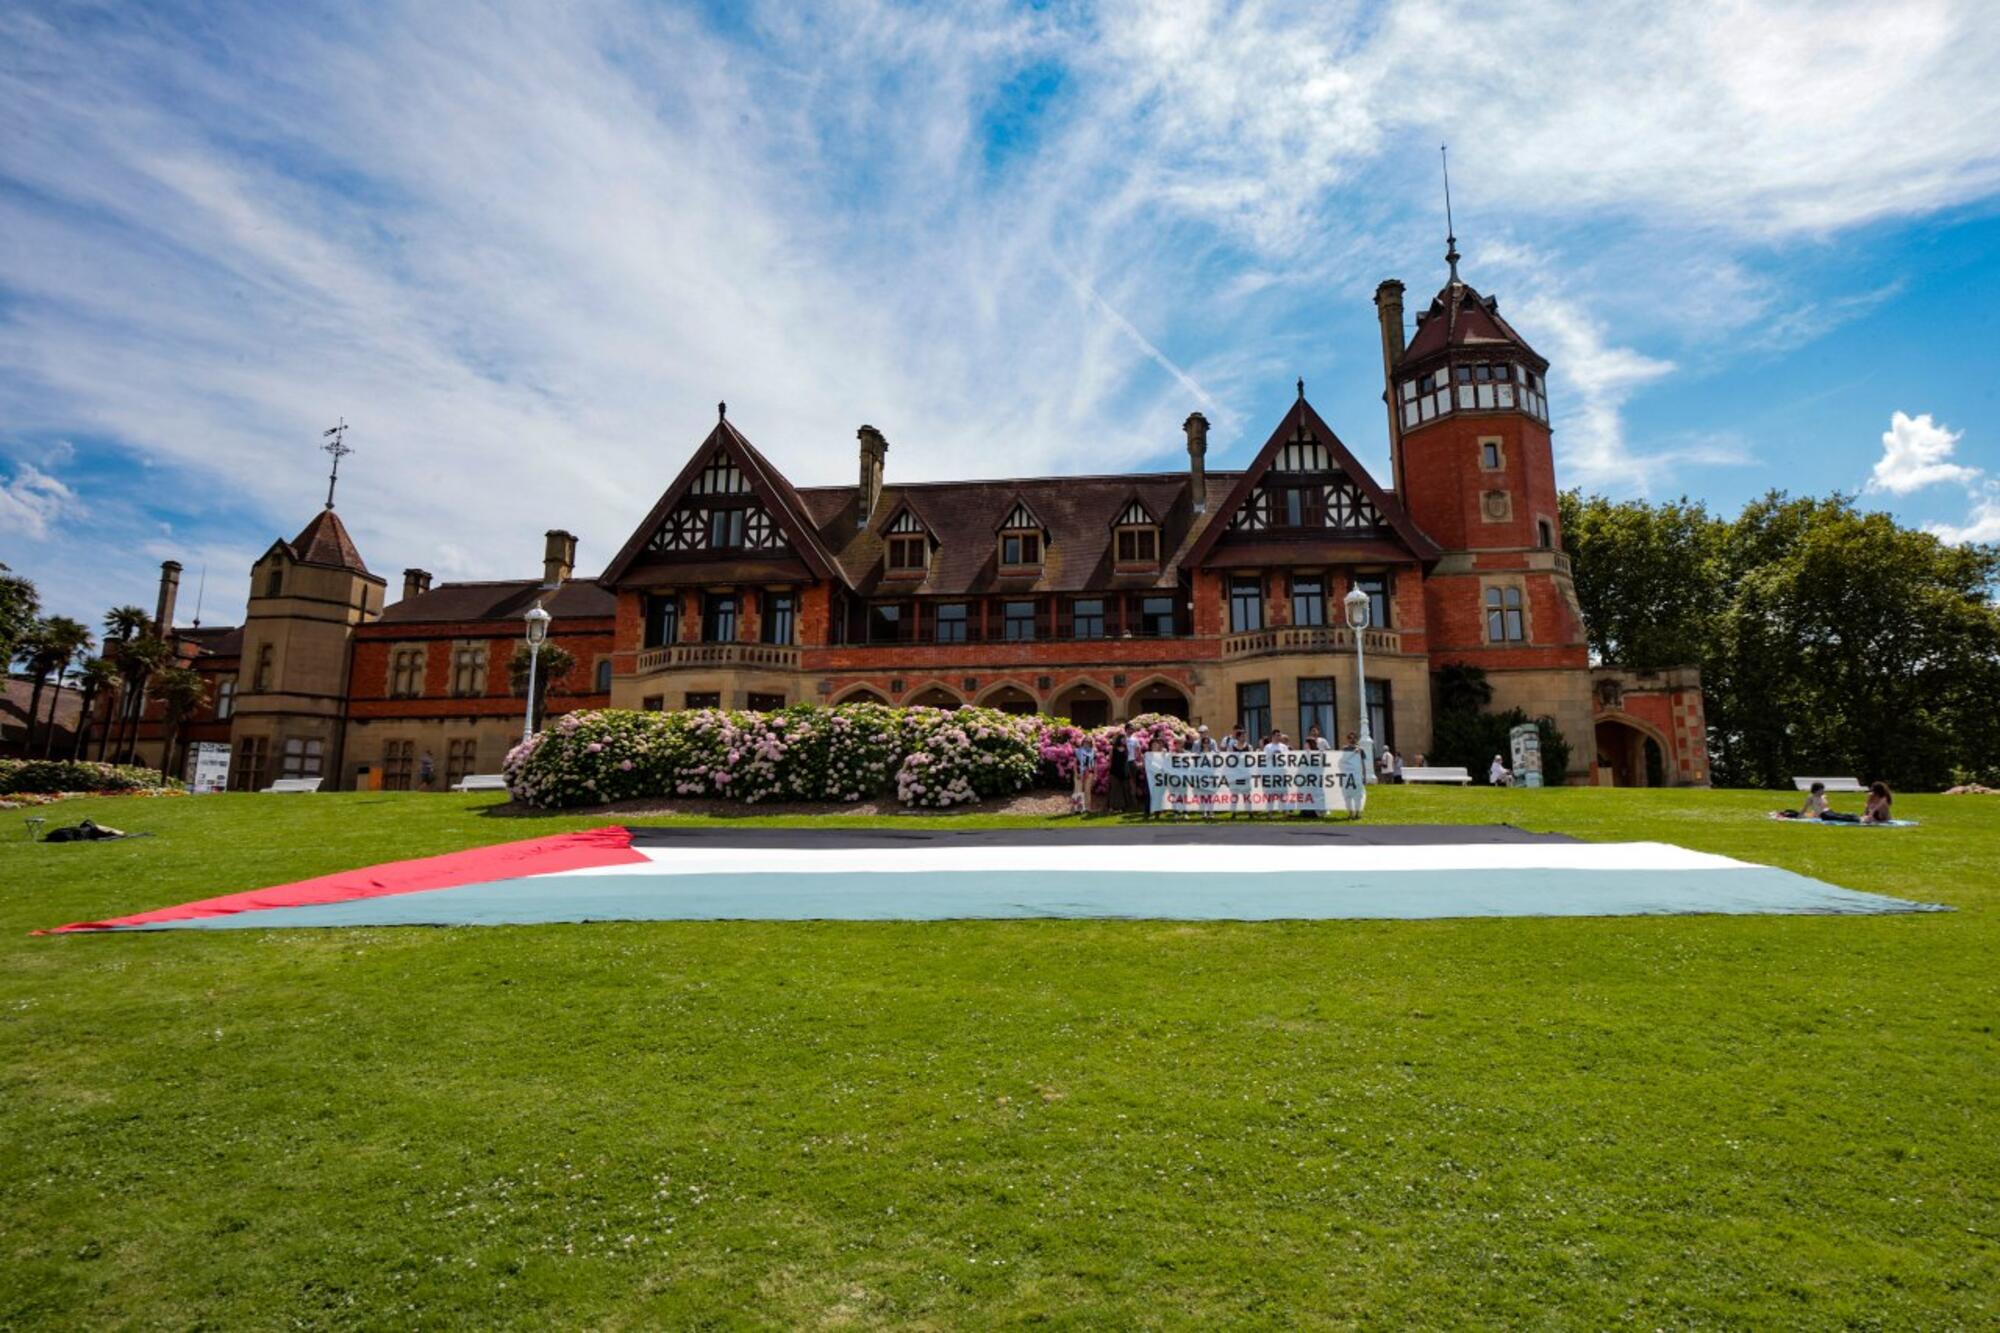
(32, 501)
(1916, 453)
(1981, 526)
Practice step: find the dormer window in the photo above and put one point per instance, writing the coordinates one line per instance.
(1136, 537)
(1138, 546)
(1020, 539)
(908, 545)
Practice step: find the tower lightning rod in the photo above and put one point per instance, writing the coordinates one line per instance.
(1450, 232)
(336, 437)
(200, 590)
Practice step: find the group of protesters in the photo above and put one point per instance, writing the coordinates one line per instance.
(1124, 756)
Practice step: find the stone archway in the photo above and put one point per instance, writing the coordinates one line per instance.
(1010, 698)
(936, 696)
(861, 696)
(1084, 704)
(1629, 753)
(1158, 696)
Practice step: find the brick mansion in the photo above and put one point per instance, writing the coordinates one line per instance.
(1213, 595)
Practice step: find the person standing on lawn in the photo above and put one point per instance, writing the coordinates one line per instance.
(1085, 756)
(1135, 767)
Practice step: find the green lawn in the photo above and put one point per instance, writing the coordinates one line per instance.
(1672, 1122)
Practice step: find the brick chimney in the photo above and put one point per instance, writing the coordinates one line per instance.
(1389, 312)
(170, 591)
(416, 582)
(558, 556)
(874, 458)
(1196, 427)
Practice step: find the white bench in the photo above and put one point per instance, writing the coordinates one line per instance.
(294, 785)
(1458, 775)
(1831, 784)
(481, 782)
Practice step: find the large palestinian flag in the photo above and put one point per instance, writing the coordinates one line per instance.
(1181, 871)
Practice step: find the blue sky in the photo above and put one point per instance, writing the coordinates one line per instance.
(524, 249)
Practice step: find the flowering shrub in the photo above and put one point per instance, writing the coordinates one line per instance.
(67, 775)
(952, 758)
(1059, 740)
(805, 752)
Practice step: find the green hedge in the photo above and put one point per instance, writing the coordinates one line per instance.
(58, 775)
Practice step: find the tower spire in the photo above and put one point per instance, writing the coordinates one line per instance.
(1450, 238)
(336, 445)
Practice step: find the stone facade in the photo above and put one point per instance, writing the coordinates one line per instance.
(1217, 596)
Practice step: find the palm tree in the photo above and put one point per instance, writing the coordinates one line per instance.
(182, 691)
(39, 653)
(96, 677)
(138, 659)
(122, 624)
(68, 640)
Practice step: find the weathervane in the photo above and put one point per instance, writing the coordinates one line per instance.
(336, 444)
(1450, 238)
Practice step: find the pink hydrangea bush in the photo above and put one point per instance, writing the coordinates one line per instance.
(806, 752)
(953, 758)
(1060, 737)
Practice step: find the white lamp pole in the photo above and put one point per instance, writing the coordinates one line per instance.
(538, 632)
(1356, 604)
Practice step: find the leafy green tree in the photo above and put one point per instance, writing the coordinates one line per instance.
(1650, 577)
(1829, 638)
(20, 605)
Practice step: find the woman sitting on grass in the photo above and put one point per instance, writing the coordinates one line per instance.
(1877, 811)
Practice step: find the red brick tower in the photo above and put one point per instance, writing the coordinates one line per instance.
(1475, 468)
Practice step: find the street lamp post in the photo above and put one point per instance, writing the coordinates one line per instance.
(538, 633)
(1356, 605)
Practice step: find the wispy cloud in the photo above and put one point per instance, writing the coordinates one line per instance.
(1981, 526)
(32, 501)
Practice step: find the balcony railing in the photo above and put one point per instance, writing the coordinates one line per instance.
(1308, 639)
(675, 656)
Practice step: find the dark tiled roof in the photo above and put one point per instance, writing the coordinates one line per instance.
(507, 600)
(324, 541)
(14, 707)
(963, 518)
(214, 640)
(1461, 317)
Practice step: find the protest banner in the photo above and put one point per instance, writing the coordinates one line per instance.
(1253, 782)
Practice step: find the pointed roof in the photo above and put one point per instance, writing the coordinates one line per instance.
(1461, 317)
(1301, 417)
(324, 541)
(766, 483)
